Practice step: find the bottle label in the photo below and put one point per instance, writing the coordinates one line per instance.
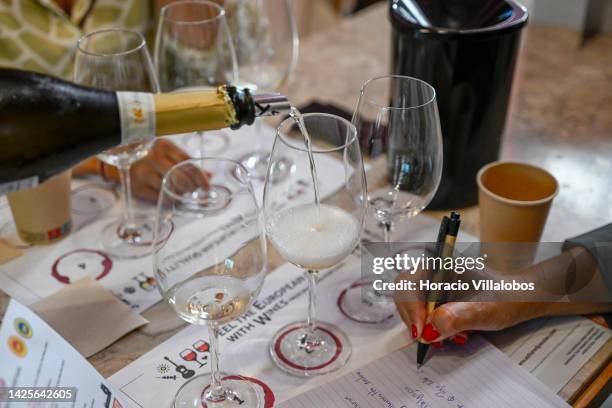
(137, 112)
(17, 185)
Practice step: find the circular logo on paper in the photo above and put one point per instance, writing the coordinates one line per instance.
(81, 263)
(23, 327)
(17, 346)
(264, 392)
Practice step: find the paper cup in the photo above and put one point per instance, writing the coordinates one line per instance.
(42, 214)
(514, 200)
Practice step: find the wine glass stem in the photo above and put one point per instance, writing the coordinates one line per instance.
(387, 228)
(126, 190)
(312, 276)
(216, 392)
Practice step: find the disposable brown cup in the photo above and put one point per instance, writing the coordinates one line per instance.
(42, 214)
(514, 200)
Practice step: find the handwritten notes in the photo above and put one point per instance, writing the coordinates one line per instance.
(475, 375)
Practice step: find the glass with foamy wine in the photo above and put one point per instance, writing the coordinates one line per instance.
(207, 279)
(311, 232)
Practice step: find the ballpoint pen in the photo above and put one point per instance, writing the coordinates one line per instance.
(447, 235)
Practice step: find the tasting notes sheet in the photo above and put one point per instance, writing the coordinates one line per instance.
(476, 375)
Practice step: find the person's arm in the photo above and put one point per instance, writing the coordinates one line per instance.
(147, 174)
(89, 167)
(455, 317)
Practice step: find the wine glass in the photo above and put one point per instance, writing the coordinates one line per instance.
(204, 285)
(313, 235)
(117, 59)
(194, 50)
(400, 113)
(266, 41)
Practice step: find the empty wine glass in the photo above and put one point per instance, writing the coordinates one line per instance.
(313, 235)
(194, 50)
(266, 41)
(401, 113)
(117, 59)
(206, 279)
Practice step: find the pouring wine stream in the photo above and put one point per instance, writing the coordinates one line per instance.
(299, 121)
(310, 341)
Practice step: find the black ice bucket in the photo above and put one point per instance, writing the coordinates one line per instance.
(467, 50)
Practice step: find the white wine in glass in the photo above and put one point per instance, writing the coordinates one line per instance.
(219, 284)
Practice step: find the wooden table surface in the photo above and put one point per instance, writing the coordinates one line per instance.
(560, 118)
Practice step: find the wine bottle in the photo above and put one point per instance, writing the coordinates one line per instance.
(48, 125)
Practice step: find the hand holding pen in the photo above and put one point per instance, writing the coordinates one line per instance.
(419, 315)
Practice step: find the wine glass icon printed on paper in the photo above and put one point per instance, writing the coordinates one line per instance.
(189, 354)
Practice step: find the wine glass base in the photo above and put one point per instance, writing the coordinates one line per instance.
(242, 392)
(291, 355)
(216, 198)
(360, 303)
(133, 242)
(256, 164)
(93, 199)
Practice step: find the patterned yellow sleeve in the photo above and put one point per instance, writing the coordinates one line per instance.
(36, 35)
(132, 14)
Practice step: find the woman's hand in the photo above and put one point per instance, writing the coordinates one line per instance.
(452, 320)
(147, 173)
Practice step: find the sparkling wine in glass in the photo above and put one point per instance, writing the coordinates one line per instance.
(401, 113)
(266, 41)
(117, 59)
(194, 50)
(313, 234)
(210, 285)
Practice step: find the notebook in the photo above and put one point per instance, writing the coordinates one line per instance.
(470, 376)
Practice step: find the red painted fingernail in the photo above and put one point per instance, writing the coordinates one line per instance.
(459, 340)
(437, 344)
(430, 333)
(415, 333)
